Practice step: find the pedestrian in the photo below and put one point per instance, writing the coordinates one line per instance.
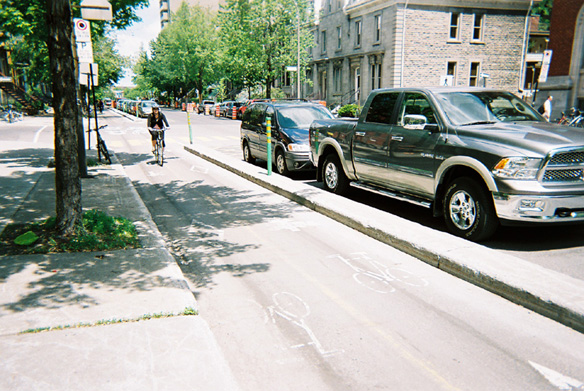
(156, 120)
(100, 105)
(547, 107)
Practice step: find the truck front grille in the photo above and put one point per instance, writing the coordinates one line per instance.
(564, 167)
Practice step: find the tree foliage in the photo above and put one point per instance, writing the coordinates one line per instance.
(261, 38)
(184, 56)
(25, 32)
(543, 9)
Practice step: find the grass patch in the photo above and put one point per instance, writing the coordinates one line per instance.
(189, 311)
(98, 232)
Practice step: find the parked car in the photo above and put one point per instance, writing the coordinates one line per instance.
(107, 102)
(223, 108)
(229, 109)
(478, 157)
(244, 106)
(145, 108)
(289, 126)
(205, 104)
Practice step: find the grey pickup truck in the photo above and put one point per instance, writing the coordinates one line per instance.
(478, 157)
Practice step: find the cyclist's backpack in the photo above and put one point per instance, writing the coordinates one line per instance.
(541, 109)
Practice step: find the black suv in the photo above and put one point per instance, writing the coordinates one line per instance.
(290, 121)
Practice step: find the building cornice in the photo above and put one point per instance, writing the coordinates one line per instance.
(368, 5)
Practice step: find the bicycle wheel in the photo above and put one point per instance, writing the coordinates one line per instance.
(159, 153)
(104, 152)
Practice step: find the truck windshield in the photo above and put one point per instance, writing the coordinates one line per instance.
(301, 117)
(485, 107)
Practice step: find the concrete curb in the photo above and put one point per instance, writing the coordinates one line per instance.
(549, 293)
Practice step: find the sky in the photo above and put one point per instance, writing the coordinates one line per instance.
(131, 40)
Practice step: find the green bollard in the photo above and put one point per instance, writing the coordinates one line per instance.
(190, 130)
(269, 141)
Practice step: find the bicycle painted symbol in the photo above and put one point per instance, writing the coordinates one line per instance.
(293, 309)
(379, 277)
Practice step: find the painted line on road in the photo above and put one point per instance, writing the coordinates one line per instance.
(38, 134)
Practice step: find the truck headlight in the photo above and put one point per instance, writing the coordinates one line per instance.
(292, 147)
(517, 168)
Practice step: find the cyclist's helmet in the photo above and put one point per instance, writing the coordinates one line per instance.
(155, 106)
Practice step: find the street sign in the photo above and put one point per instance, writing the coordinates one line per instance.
(82, 30)
(84, 52)
(84, 72)
(96, 10)
(83, 40)
(545, 66)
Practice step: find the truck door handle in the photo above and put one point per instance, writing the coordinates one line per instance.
(360, 134)
(397, 138)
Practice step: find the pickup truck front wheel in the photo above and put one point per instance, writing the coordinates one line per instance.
(468, 211)
(334, 177)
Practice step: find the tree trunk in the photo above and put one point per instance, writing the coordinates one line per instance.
(269, 79)
(67, 178)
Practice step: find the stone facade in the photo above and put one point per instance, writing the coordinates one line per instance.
(368, 44)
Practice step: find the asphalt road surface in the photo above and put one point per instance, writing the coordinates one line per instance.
(559, 248)
(299, 301)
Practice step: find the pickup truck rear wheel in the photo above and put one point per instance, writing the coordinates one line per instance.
(334, 177)
(468, 210)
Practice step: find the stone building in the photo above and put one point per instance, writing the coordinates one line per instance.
(566, 73)
(361, 45)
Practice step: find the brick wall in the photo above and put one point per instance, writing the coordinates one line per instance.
(428, 48)
(563, 24)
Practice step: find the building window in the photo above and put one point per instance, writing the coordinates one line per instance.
(474, 74)
(357, 84)
(338, 79)
(451, 71)
(377, 36)
(454, 25)
(477, 32)
(323, 42)
(375, 76)
(339, 38)
(358, 30)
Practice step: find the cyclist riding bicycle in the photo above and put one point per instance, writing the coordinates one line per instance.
(157, 120)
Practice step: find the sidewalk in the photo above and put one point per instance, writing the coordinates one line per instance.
(176, 351)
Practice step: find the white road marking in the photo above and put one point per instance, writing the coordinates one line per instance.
(557, 379)
(38, 134)
(292, 308)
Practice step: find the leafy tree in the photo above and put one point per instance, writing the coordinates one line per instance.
(543, 9)
(184, 55)
(42, 31)
(261, 38)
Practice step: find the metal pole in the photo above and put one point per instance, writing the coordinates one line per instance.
(88, 116)
(298, 54)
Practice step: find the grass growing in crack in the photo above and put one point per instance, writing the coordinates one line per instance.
(188, 311)
(98, 232)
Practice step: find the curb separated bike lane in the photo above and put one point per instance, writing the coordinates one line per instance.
(547, 292)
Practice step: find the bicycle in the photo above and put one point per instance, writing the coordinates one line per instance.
(102, 148)
(10, 115)
(159, 147)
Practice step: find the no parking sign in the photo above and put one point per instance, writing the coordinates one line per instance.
(83, 40)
